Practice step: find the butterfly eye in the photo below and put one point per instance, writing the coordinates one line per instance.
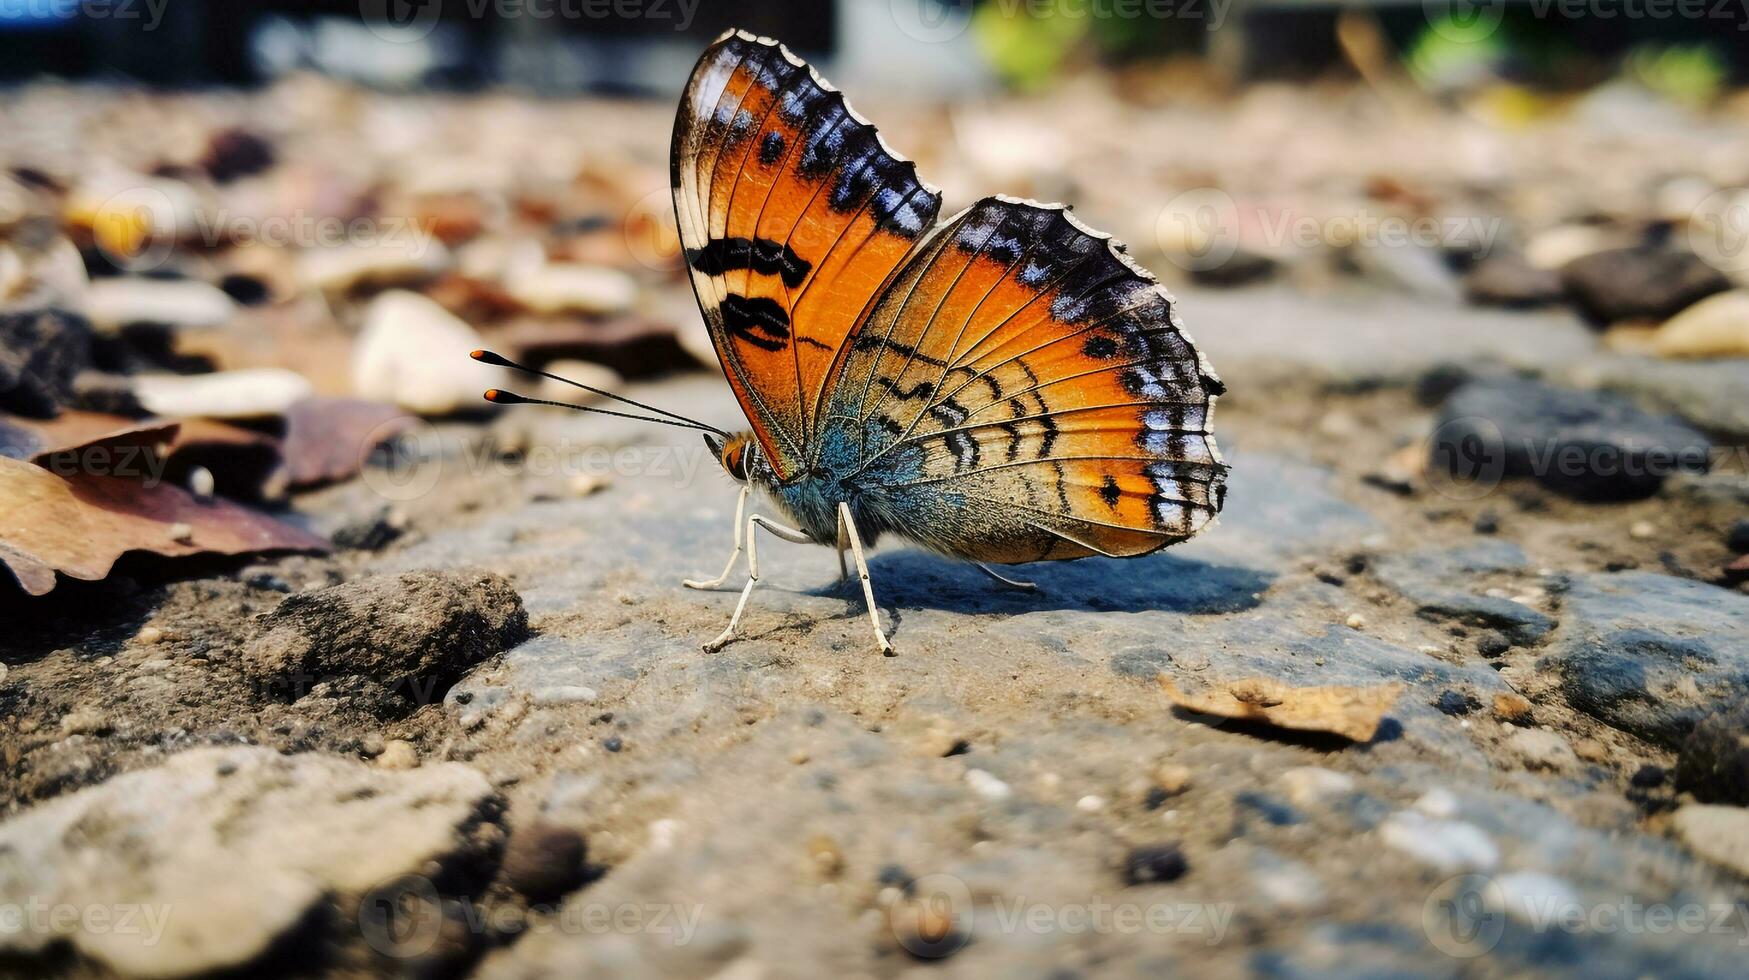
(735, 461)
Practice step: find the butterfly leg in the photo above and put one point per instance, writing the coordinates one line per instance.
(843, 545)
(740, 512)
(847, 528)
(1005, 580)
(753, 524)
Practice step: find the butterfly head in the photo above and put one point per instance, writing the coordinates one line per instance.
(735, 452)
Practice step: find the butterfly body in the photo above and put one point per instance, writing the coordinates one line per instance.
(1004, 386)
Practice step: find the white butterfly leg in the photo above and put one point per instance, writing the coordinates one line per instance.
(753, 524)
(843, 545)
(740, 511)
(847, 528)
(1005, 580)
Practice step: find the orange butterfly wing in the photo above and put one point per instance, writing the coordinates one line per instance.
(1022, 367)
(792, 213)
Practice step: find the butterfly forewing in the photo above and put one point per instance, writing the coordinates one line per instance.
(1022, 368)
(792, 214)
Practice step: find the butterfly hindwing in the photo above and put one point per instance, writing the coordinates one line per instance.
(790, 208)
(1022, 375)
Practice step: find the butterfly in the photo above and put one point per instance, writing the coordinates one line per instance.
(1005, 386)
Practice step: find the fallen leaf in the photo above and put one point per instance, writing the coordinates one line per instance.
(80, 525)
(330, 439)
(39, 439)
(1352, 712)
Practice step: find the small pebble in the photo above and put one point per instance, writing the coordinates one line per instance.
(1313, 785)
(1533, 896)
(1355, 621)
(1717, 833)
(564, 694)
(1456, 703)
(398, 754)
(1511, 708)
(1647, 777)
(1538, 749)
(1090, 804)
(181, 533)
(149, 636)
(84, 721)
(987, 786)
(1487, 522)
(1738, 539)
(1438, 802)
(1591, 750)
(1155, 864)
(663, 833)
(612, 743)
(201, 483)
(1642, 530)
(1493, 645)
(1448, 846)
(1172, 777)
(543, 861)
(827, 856)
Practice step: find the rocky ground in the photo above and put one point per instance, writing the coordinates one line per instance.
(481, 735)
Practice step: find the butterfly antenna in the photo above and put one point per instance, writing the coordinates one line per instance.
(498, 396)
(499, 360)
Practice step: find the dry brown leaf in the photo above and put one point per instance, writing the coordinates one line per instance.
(1352, 712)
(329, 439)
(80, 525)
(39, 439)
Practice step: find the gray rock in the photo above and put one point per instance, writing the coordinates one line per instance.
(41, 351)
(1448, 585)
(1651, 654)
(1711, 395)
(1639, 283)
(1714, 764)
(1270, 335)
(1585, 445)
(1509, 281)
(220, 853)
(415, 633)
